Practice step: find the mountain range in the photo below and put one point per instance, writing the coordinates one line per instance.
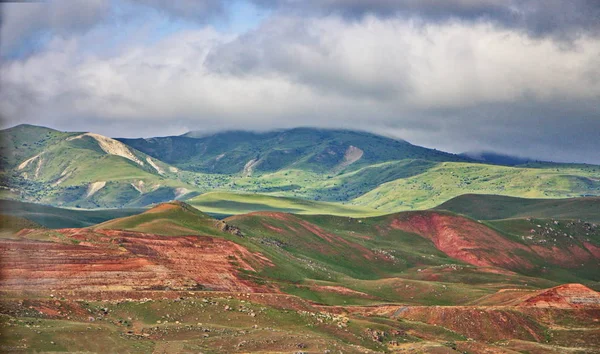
(353, 172)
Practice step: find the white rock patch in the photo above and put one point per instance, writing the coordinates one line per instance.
(26, 162)
(139, 186)
(94, 187)
(351, 155)
(63, 178)
(111, 146)
(249, 166)
(158, 169)
(179, 192)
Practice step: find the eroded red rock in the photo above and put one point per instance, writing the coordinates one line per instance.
(84, 259)
(565, 296)
(479, 245)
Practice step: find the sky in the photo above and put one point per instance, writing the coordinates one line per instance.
(519, 77)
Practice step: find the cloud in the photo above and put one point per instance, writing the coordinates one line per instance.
(556, 18)
(188, 9)
(28, 20)
(29, 23)
(451, 85)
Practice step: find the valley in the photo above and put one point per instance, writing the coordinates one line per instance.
(303, 241)
(175, 279)
(300, 177)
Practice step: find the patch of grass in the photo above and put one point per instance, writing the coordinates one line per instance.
(56, 218)
(240, 203)
(491, 207)
(451, 179)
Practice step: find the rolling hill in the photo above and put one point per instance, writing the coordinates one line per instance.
(55, 218)
(431, 281)
(227, 203)
(490, 207)
(374, 257)
(173, 218)
(362, 173)
(448, 180)
(84, 170)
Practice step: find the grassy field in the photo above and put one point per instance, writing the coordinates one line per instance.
(201, 324)
(10, 225)
(56, 218)
(357, 171)
(490, 207)
(448, 180)
(169, 219)
(241, 203)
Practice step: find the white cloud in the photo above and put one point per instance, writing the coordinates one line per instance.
(436, 83)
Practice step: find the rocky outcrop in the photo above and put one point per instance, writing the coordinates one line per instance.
(477, 244)
(100, 260)
(221, 225)
(565, 296)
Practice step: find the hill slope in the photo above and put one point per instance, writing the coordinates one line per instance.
(316, 150)
(490, 207)
(92, 171)
(172, 218)
(450, 179)
(412, 239)
(83, 169)
(57, 218)
(241, 203)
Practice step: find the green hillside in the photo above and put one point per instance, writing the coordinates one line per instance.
(490, 207)
(317, 150)
(355, 172)
(449, 179)
(83, 170)
(173, 218)
(374, 256)
(370, 259)
(57, 218)
(241, 203)
(24, 141)
(391, 258)
(9, 225)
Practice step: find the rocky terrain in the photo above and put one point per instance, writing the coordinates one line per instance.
(121, 260)
(173, 279)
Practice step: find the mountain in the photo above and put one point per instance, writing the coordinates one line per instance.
(316, 150)
(83, 169)
(369, 174)
(490, 207)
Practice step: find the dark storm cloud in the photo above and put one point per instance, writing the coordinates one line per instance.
(558, 18)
